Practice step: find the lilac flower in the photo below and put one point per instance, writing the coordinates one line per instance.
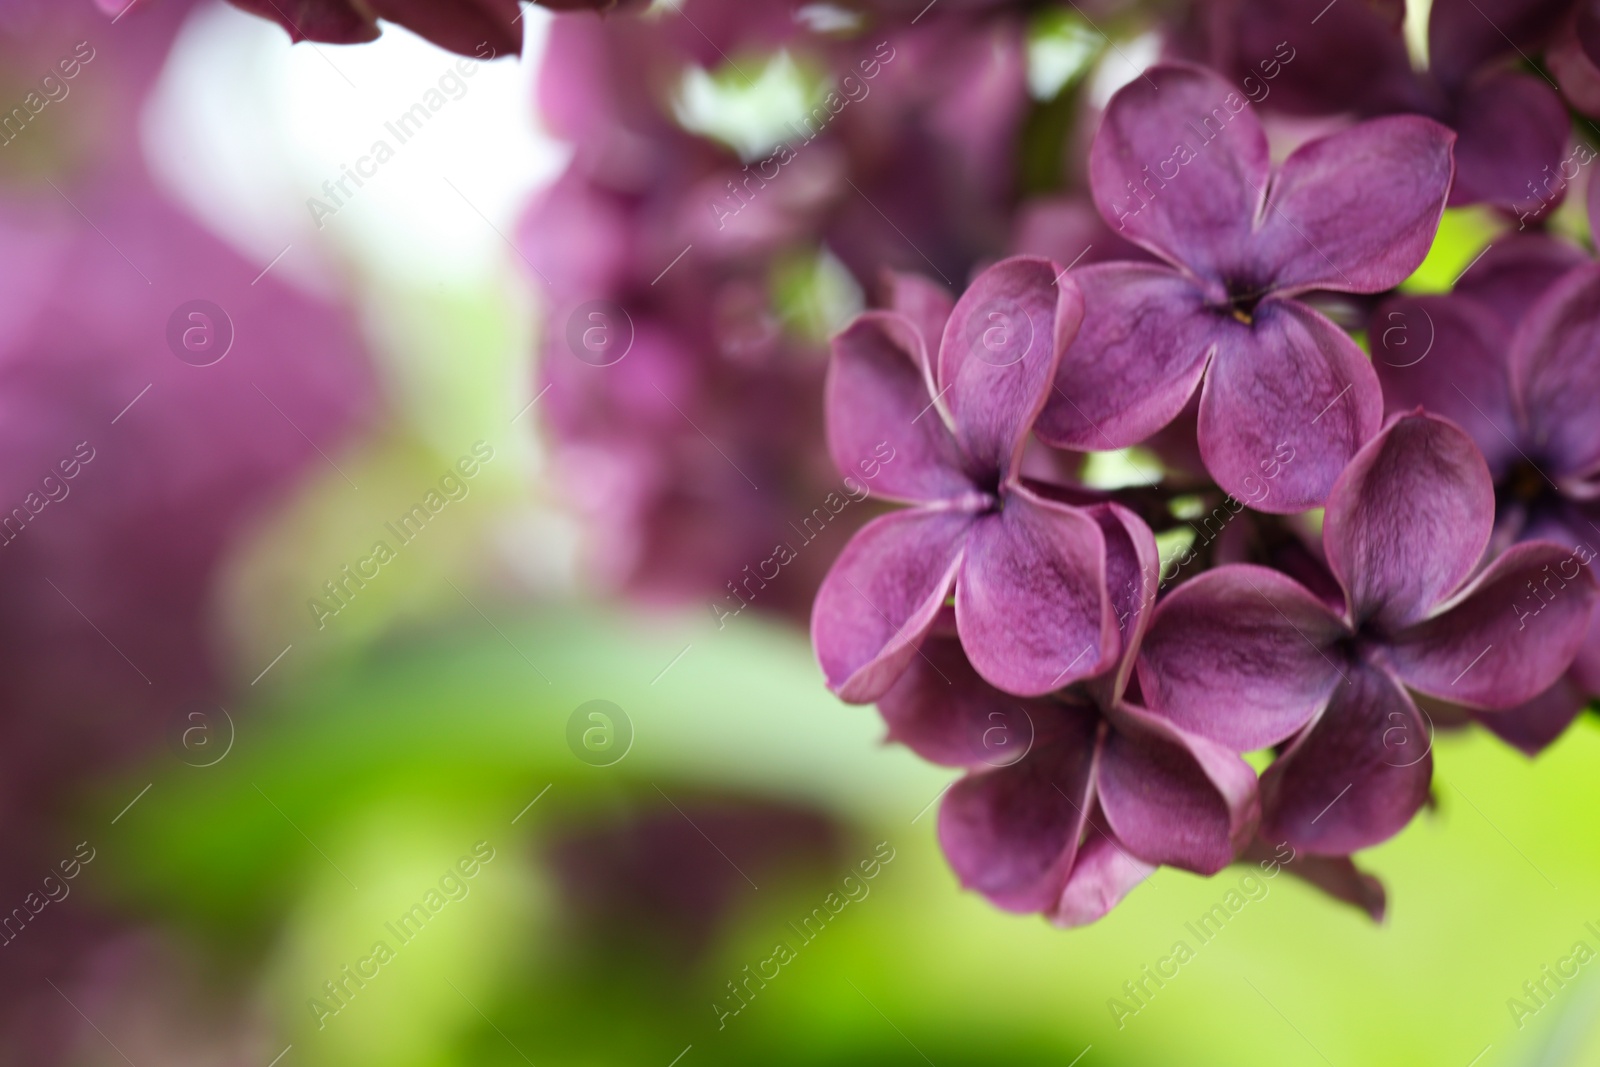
(951, 394)
(1073, 798)
(1405, 529)
(1512, 356)
(1305, 57)
(1184, 172)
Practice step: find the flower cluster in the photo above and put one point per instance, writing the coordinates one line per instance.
(1402, 537)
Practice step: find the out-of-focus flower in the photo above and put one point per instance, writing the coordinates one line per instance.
(727, 269)
(1511, 124)
(1076, 797)
(158, 393)
(1180, 166)
(1406, 526)
(933, 405)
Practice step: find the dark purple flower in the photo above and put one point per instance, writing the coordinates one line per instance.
(1311, 58)
(1405, 531)
(1073, 798)
(1184, 171)
(938, 401)
(1513, 356)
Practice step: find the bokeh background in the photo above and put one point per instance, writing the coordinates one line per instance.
(250, 791)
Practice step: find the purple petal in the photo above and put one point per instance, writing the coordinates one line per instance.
(1102, 875)
(1137, 358)
(1465, 34)
(1534, 725)
(883, 430)
(1449, 355)
(1514, 272)
(1577, 74)
(1555, 362)
(1133, 578)
(1287, 402)
(1173, 798)
(483, 28)
(1357, 774)
(1012, 833)
(1507, 638)
(1031, 598)
(1241, 655)
(927, 305)
(944, 712)
(1341, 879)
(1512, 127)
(880, 597)
(999, 355)
(1408, 520)
(1356, 211)
(1180, 166)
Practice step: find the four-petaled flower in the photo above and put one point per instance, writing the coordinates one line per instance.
(1180, 166)
(1405, 531)
(954, 391)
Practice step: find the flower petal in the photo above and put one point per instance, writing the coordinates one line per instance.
(1534, 725)
(880, 597)
(1356, 211)
(944, 712)
(1174, 798)
(1463, 35)
(1241, 655)
(1180, 165)
(1408, 520)
(1514, 272)
(1102, 874)
(1137, 358)
(999, 355)
(482, 28)
(1509, 636)
(1012, 834)
(881, 417)
(1031, 599)
(1555, 361)
(1511, 125)
(927, 305)
(1289, 393)
(1133, 578)
(1357, 774)
(1449, 355)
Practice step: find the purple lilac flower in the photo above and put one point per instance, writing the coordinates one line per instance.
(1075, 797)
(1512, 357)
(949, 394)
(1405, 531)
(1352, 58)
(1180, 166)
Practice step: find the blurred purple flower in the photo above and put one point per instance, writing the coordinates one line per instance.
(1185, 173)
(1349, 58)
(1405, 530)
(943, 398)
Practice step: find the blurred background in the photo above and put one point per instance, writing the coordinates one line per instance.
(393, 663)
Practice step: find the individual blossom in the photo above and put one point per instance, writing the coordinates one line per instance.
(1513, 356)
(1308, 58)
(1180, 166)
(1404, 533)
(943, 397)
(1072, 798)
